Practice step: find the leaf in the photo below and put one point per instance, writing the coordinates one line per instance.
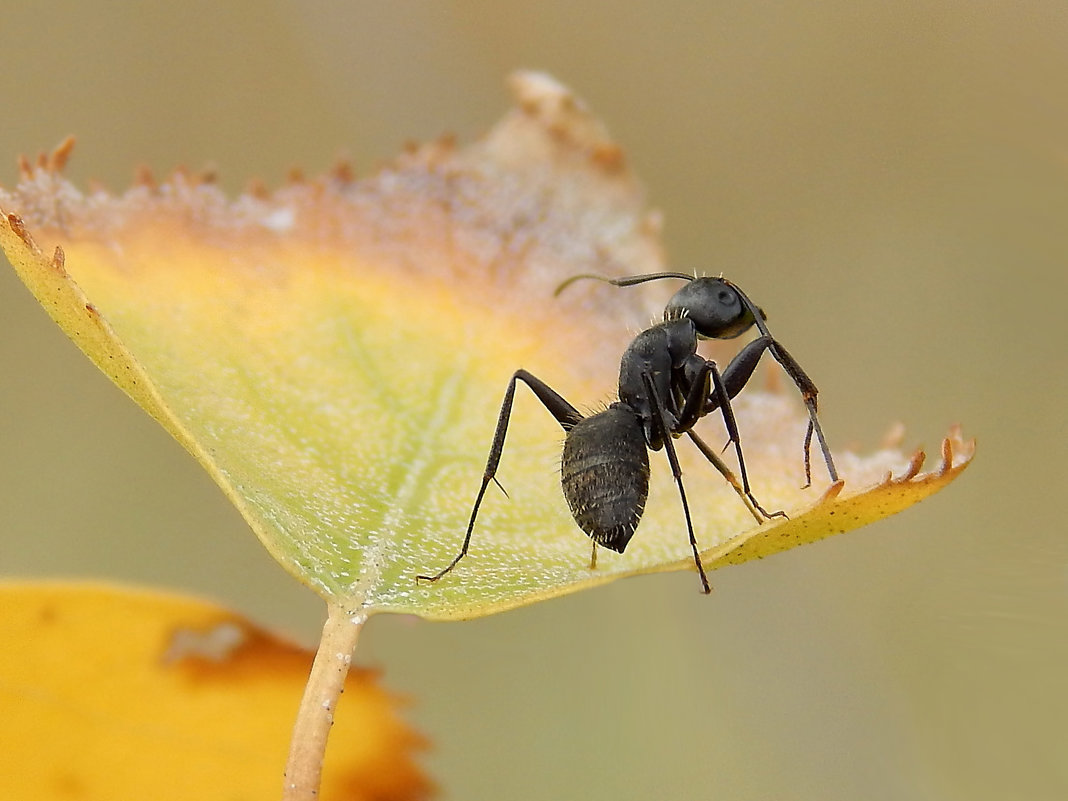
(113, 693)
(335, 354)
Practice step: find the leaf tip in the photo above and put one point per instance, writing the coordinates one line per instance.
(566, 117)
(956, 454)
(914, 466)
(144, 177)
(18, 227)
(954, 445)
(25, 168)
(832, 492)
(52, 162)
(59, 261)
(343, 172)
(57, 159)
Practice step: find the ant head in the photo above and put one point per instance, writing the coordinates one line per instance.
(718, 309)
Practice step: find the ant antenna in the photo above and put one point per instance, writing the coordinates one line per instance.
(629, 280)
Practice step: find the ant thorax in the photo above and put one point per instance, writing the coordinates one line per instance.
(656, 352)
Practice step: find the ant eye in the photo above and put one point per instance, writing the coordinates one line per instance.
(726, 297)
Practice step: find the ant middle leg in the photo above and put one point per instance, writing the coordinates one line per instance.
(713, 458)
(659, 416)
(731, 424)
(564, 413)
(695, 406)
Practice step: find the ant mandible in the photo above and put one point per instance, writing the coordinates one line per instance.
(665, 387)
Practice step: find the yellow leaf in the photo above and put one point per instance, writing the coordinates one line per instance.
(335, 354)
(114, 694)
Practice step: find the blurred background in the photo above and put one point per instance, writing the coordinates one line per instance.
(888, 180)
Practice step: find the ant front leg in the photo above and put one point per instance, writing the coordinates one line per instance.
(737, 374)
(808, 395)
(564, 413)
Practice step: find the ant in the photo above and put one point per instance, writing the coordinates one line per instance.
(665, 387)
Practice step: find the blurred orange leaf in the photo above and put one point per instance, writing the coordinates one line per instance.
(113, 694)
(335, 353)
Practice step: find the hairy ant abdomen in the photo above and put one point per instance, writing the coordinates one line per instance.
(605, 475)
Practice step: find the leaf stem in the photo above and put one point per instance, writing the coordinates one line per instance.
(316, 714)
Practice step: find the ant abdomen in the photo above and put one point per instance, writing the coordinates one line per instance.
(605, 475)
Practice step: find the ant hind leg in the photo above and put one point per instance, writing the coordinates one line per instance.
(564, 413)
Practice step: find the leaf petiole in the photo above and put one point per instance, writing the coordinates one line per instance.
(315, 716)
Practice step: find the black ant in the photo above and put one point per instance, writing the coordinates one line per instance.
(665, 387)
